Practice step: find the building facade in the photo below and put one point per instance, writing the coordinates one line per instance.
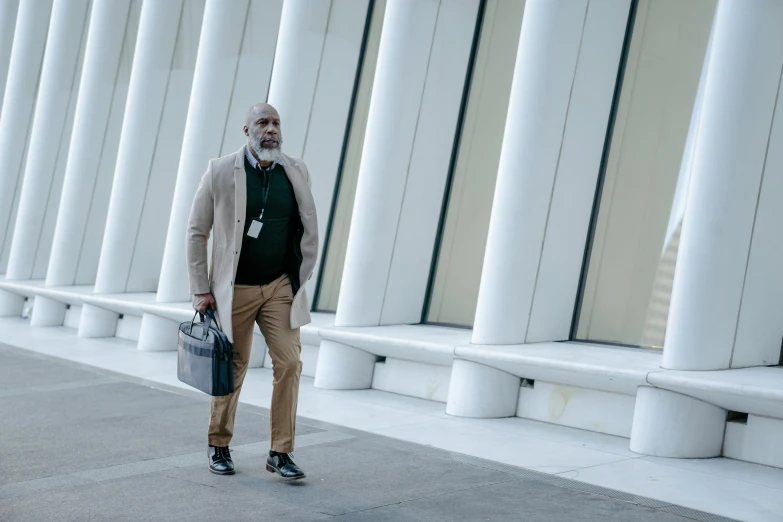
(562, 210)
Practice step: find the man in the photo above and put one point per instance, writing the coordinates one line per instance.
(258, 204)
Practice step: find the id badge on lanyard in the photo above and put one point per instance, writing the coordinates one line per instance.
(255, 227)
(258, 223)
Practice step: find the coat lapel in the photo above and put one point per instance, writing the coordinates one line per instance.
(304, 197)
(306, 204)
(240, 201)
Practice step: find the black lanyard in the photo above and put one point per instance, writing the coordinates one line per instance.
(267, 181)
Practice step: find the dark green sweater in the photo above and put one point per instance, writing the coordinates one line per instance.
(264, 259)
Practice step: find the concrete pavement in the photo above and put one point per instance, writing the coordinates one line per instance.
(83, 444)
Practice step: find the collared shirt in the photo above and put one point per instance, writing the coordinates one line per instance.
(254, 162)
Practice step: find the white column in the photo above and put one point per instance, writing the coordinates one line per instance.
(668, 424)
(51, 108)
(408, 30)
(480, 391)
(216, 64)
(540, 92)
(740, 90)
(543, 76)
(32, 25)
(8, 10)
(343, 367)
(732, 136)
(144, 109)
(102, 53)
(300, 44)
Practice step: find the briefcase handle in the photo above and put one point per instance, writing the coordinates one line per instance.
(210, 318)
(193, 322)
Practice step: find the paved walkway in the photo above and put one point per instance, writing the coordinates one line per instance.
(84, 444)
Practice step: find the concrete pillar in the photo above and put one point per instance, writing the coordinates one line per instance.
(54, 93)
(32, 26)
(408, 30)
(394, 109)
(540, 92)
(11, 304)
(216, 64)
(47, 312)
(668, 424)
(300, 43)
(343, 367)
(8, 11)
(739, 95)
(97, 322)
(476, 390)
(102, 53)
(144, 109)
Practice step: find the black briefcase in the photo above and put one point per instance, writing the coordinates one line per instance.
(205, 359)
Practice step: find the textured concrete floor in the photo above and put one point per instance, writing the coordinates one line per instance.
(83, 445)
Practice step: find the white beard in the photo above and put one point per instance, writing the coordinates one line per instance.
(263, 154)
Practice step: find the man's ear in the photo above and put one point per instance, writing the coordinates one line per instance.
(246, 130)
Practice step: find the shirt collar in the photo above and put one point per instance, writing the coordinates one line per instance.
(254, 162)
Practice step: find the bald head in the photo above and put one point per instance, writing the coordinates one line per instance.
(259, 109)
(262, 128)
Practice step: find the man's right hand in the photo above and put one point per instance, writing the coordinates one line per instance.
(203, 301)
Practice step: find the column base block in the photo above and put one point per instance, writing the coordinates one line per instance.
(47, 312)
(97, 322)
(669, 424)
(158, 334)
(480, 391)
(11, 304)
(343, 367)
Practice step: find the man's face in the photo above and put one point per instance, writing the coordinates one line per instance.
(263, 128)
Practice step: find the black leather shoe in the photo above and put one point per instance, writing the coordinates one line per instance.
(283, 465)
(220, 460)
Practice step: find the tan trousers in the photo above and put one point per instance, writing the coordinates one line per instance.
(270, 307)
